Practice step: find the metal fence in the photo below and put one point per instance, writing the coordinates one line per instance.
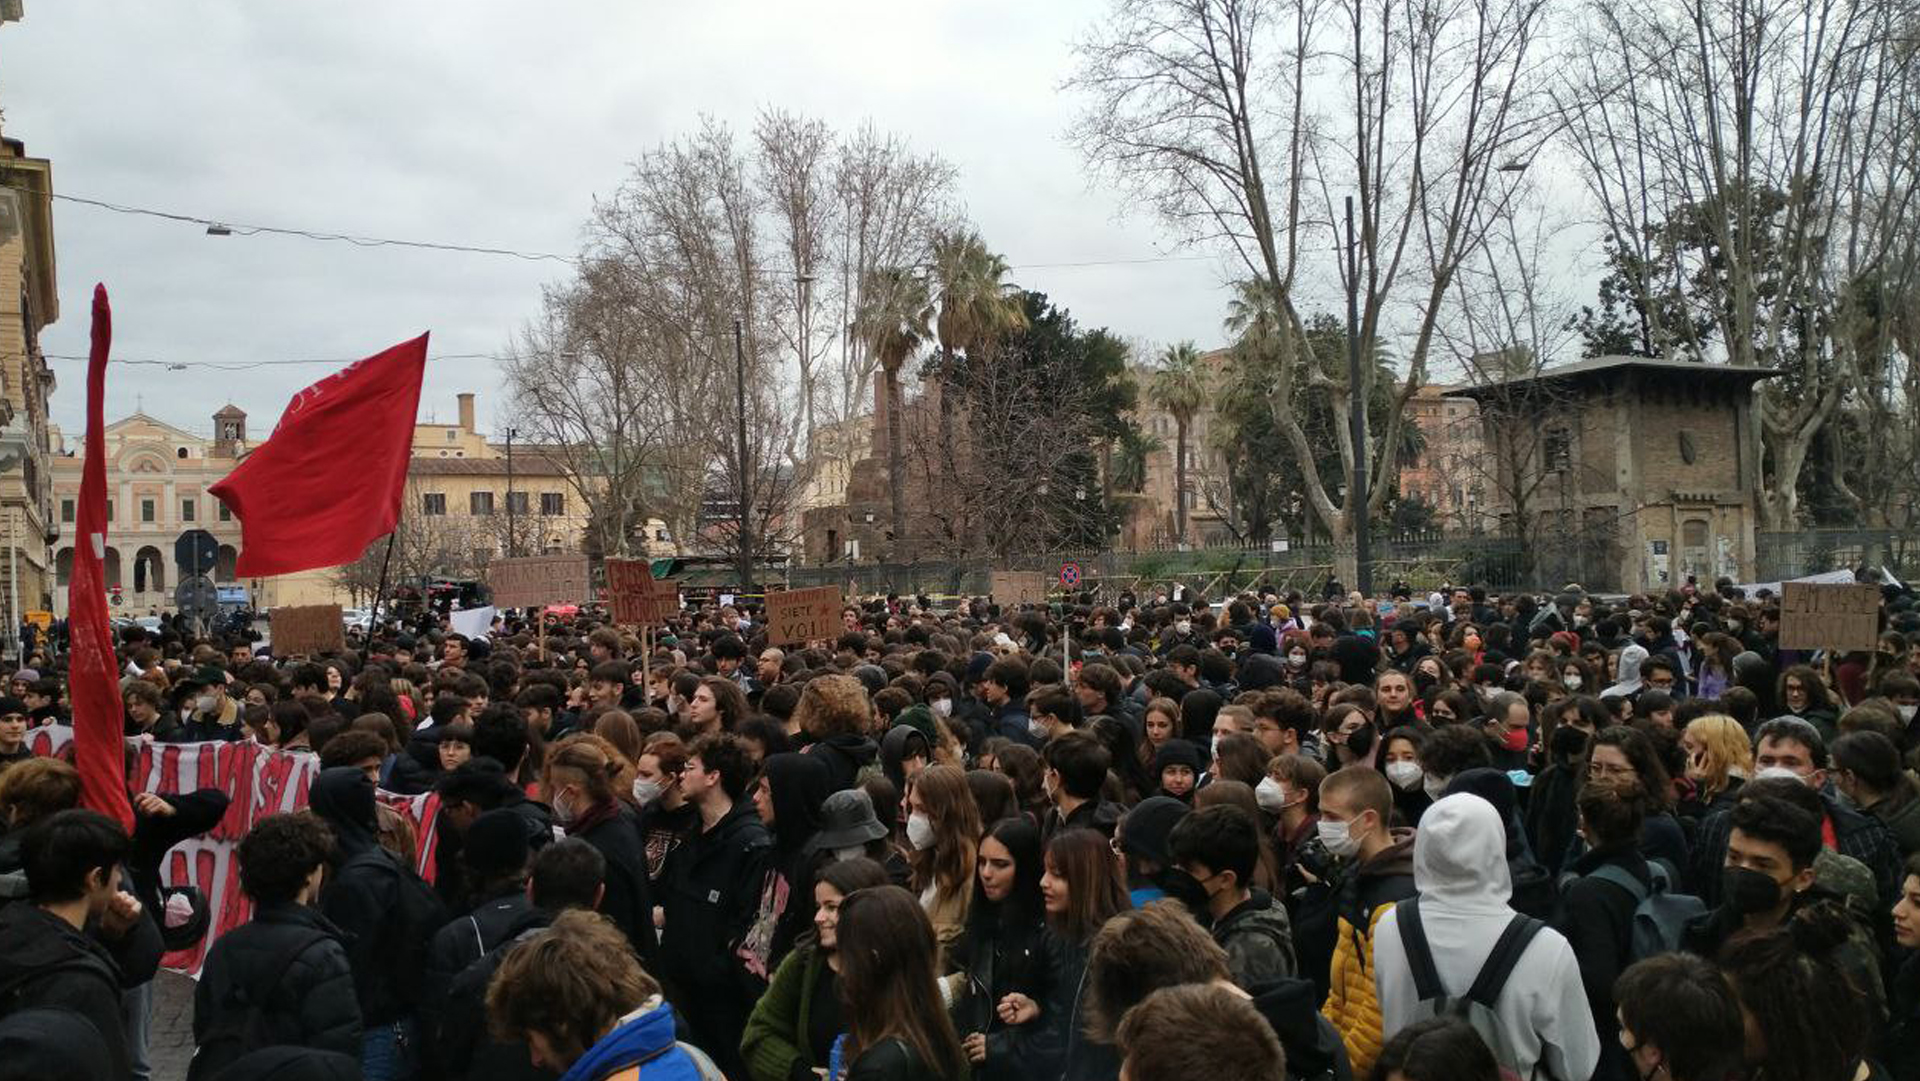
(1424, 562)
(1779, 556)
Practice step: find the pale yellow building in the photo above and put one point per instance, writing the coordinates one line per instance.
(28, 302)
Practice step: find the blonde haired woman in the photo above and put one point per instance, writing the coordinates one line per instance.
(1719, 761)
(585, 780)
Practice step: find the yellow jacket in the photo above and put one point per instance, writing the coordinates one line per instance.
(1352, 1005)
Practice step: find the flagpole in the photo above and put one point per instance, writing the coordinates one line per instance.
(373, 620)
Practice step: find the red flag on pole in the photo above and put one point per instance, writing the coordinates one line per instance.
(93, 676)
(329, 481)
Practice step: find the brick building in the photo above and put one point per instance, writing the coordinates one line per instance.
(1626, 473)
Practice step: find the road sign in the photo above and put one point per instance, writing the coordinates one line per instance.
(196, 552)
(197, 597)
(1069, 574)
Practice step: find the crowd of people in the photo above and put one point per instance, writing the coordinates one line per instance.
(1457, 837)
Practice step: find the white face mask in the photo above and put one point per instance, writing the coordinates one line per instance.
(1778, 772)
(943, 707)
(1404, 774)
(204, 703)
(1271, 795)
(1338, 838)
(919, 831)
(647, 791)
(1907, 711)
(1038, 728)
(1297, 658)
(1435, 787)
(1183, 627)
(1571, 681)
(851, 852)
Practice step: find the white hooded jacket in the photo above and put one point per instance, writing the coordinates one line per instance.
(1460, 870)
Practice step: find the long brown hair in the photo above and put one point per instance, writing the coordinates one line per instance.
(887, 980)
(948, 865)
(1094, 889)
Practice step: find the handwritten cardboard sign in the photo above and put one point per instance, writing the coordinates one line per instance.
(1836, 616)
(803, 615)
(309, 628)
(633, 596)
(533, 581)
(1011, 589)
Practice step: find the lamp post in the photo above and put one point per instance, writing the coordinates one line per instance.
(513, 536)
(740, 420)
(1357, 421)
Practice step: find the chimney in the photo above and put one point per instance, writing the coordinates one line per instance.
(466, 413)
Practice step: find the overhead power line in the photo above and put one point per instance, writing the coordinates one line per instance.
(229, 227)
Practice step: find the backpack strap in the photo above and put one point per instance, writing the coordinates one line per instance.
(1413, 937)
(1617, 875)
(1500, 963)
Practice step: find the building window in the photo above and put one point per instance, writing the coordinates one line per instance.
(480, 502)
(553, 503)
(452, 436)
(66, 510)
(516, 502)
(146, 510)
(182, 453)
(109, 508)
(1558, 450)
(226, 514)
(433, 503)
(229, 429)
(188, 511)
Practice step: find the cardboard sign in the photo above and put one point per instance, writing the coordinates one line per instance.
(1840, 617)
(1011, 589)
(532, 581)
(634, 597)
(310, 628)
(803, 615)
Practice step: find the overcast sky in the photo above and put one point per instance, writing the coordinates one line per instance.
(495, 124)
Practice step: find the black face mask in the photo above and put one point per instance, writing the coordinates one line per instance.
(1360, 741)
(1748, 891)
(1187, 890)
(1568, 742)
(1423, 680)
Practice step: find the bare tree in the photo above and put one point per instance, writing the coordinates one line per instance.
(1244, 122)
(795, 168)
(424, 546)
(1755, 163)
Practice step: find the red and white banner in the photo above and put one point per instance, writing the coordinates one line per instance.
(260, 781)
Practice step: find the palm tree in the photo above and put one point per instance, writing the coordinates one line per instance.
(894, 323)
(973, 308)
(1180, 386)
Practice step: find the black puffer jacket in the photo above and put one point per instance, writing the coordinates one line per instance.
(295, 957)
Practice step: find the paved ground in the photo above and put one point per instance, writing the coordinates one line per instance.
(170, 1043)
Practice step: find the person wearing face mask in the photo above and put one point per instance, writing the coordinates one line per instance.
(1400, 762)
(1868, 773)
(582, 778)
(1767, 874)
(1294, 649)
(1679, 1020)
(943, 829)
(1596, 910)
(1334, 923)
(1787, 748)
(1510, 725)
(1220, 847)
(1290, 796)
(791, 1031)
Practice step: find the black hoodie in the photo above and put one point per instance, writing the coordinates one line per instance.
(845, 754)
(361, 896)
(36, 1044)
(799, 784)
(44, 961)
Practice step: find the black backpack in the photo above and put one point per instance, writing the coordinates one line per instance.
(418, 913)
(1477, 1007)
(243, 1024)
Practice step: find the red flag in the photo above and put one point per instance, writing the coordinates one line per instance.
(328, 482)
(93, 677)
